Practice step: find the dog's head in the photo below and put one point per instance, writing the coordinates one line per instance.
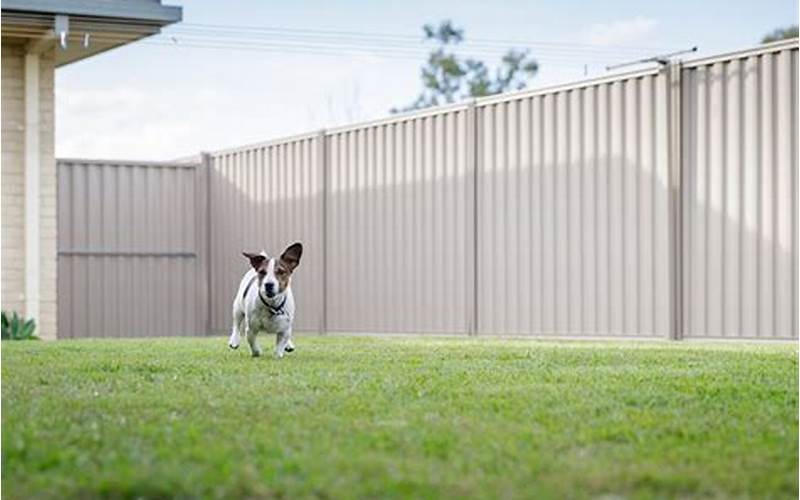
(274, 275)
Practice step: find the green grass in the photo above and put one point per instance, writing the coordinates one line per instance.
(399, 418)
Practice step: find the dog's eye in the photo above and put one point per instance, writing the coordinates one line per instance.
(262, 273)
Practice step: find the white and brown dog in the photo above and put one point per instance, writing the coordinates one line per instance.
(264, 302)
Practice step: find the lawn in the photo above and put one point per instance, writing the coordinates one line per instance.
(399, 417)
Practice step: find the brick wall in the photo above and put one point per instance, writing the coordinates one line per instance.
(13, 187)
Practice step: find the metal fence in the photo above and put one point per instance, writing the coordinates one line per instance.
(131, 239)
(740, 195)
(400, 225)
(572, 210)
(660, 203)
(264, 197)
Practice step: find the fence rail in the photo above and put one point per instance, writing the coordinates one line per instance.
(101, 253)
(659, 203)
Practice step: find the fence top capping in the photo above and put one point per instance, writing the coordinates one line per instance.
(401, 117)
(70, 162)
(263, 144)
(509, 96)
(565, 87)
(766, 48)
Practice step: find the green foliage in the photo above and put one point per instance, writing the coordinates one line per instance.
(17, 328)
(781, 34)
(411, 417)
(446, 77)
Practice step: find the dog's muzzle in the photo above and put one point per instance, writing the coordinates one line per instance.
(269, 289)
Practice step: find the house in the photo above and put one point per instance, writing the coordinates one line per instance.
(39, 36)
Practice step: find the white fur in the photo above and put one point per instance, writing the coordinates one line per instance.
(252, 318)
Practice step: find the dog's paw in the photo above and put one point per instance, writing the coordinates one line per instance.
(232, 346)
(256, 354)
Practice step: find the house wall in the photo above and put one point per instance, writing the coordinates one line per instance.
(13, 187)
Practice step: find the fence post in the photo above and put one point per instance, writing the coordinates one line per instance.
(206, 161)
(675, 166)
(322, 158)
(472, 157)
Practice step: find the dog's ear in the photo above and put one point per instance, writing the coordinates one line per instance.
(291, 256)
(256, 259)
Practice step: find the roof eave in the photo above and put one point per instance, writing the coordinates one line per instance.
(149, 12)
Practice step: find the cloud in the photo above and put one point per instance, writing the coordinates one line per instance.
(240, 101)
(622, 32)
(129, 122)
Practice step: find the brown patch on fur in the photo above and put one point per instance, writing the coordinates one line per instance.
(257, 261)
(283, 275)
(290, 257)
(260, 264)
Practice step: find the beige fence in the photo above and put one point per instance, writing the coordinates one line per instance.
(131, 240)
(740, 195)
(264, 197)
(572, 210)
(400, 225)
(659, 203)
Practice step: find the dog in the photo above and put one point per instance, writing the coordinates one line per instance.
(264, 302)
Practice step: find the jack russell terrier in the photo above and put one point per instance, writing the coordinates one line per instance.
(264, 302)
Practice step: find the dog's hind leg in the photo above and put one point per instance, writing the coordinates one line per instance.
(255, 350)
(236, 336)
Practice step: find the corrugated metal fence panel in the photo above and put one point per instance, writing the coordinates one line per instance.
(740, 196)
(400, 224)
(547, 211)
(129, 260)
(572, 211)
(265, 197)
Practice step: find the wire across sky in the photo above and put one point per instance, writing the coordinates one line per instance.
(338, 43)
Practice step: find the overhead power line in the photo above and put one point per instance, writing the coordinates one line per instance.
(178, 41)
(367, 37)
(317, 42)
(505, 42)
(418, 45)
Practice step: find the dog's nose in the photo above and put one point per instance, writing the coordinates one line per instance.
(269, 288)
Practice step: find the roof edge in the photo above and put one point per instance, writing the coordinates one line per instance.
(153, 12)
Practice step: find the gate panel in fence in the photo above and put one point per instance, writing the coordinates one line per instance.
(130, 249)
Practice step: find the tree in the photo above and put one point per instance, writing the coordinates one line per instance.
(447, 77)
(781, 34)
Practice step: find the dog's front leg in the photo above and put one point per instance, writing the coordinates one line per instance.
(289, 344)
(281, 340)
(235, 338)
(255, 350)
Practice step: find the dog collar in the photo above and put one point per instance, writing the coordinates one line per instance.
(276, 311)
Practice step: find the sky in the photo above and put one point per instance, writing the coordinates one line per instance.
(166, 100)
